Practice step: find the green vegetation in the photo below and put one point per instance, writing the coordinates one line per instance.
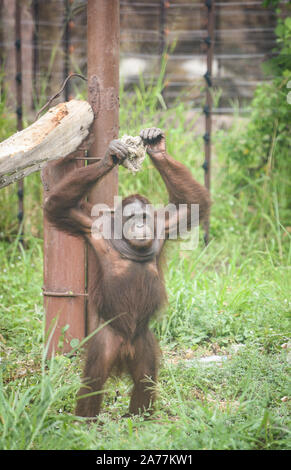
(231, 299)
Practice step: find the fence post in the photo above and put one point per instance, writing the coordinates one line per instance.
(64, 274)
(64, 287)
(19, 108)
(103, 95)
(209, 40)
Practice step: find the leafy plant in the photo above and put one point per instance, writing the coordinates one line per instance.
(257, 150)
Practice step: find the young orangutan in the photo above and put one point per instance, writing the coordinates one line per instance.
(129, 286)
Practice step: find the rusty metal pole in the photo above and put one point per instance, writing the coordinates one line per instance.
(67, 45)
(19, 109)
(64, 270)
(35, 49)
(66, 42)
(164, 5)
(209, 40)
(162, 42)
(103, 95)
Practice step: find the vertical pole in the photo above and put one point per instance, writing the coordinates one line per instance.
(162, 28)
(103, 94)
(66, 46)
(210, 5)
(19, 110)
(64, 273)
(164, 5)
(64, 265)
(35, 49)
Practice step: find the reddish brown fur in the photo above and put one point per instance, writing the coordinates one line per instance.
(126, 293)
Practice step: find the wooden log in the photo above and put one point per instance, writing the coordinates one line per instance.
(56, 134)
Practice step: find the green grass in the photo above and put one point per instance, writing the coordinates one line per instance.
(218, 297)
(235, 291)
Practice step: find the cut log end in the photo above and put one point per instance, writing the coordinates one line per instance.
(56, 134)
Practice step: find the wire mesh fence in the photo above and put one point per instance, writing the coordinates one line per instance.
(54, 44)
